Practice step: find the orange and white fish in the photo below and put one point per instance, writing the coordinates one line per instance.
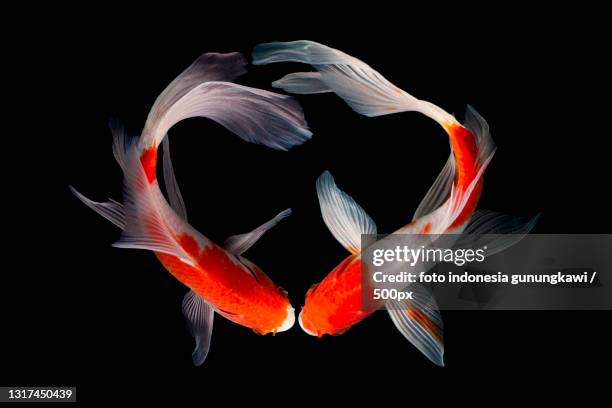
(335, 304)
(220, 278)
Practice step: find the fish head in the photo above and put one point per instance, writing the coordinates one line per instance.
(335, 304)
(277, 314)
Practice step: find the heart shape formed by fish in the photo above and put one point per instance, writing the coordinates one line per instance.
(220, 279)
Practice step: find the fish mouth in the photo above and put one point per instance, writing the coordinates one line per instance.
(302, 326)
(289, 320)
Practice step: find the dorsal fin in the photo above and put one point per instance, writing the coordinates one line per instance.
(174, 193)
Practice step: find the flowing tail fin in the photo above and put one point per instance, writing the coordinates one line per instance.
(363, 88)
(204, 90)
(255, 115)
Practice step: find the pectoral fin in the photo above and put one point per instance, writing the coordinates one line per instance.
(419, 321)
(199, 316)
(343, 216)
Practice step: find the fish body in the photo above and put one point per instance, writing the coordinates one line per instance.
(335, 304)
(238, 289)
(220, 279)
(232, 285)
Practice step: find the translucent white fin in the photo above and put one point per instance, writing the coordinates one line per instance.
(208, 67)
(111, 210)
(302, 83)
(307, 52)
(491, 222)
(439, 191)
(238, 244)
(420, 322)
(362, 88)
(120, 141)
(174, 193)
(479, 127)
(146, 223)
(495, 230)
(343, 216)
(255, 115)
(199, 316)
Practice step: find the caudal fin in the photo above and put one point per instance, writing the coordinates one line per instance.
(364, 89)
(205, 90)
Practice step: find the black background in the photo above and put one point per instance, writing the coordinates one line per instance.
(78, 312)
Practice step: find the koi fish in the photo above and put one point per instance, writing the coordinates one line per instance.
(335, 304)
(220, 279)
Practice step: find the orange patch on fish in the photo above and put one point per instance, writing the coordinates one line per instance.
(189, 244)
(336, 304)
(243, 292)
(148, 159)
(465, 150)
(426, 228)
